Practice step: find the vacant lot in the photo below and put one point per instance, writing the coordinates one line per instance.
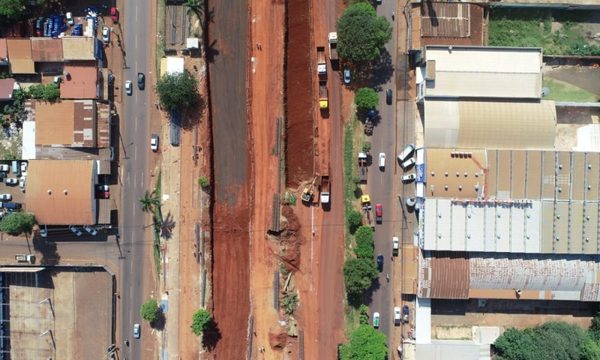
(558, 32)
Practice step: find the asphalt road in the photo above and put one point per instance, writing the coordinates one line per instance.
(134, 149)
(381, 182)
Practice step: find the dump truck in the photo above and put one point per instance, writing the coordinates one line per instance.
(321, 64)
(365, 201)
(362, 166)
(333, 55)
(323, 97)
(325, 190)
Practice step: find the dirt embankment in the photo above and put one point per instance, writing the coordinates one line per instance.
(290, 240)
(299, 106)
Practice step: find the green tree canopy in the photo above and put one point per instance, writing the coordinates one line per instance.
(200, 321)
(177, 91)
(48, 92)
(17, 223)
(365, 343)
(365, 247)
(366, 98)
(11, 10)
(361, 33)
(354, 220)
(149, 311)
(358, 275)
(149, 201)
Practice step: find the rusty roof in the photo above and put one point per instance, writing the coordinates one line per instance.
(46, 50)
(65, 123)
(61, 192)
(19, 54)
(445, 20)
(7, 87)
(3, 49)
(81, 81)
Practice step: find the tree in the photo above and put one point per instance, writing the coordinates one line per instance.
(201, 321)
(594, 330)
(354, 220)
(366, 146)
(149, 201)
(196, 7)
(16, 223)
(590, 349)
(363, 314)
(48, 92)
(203, 182)
(365, 343)
(149, 311)
(289, 302)
(11, 10)
(361, 33)
(365, 247)
(177, 91)
(359, 275)
(366, 99)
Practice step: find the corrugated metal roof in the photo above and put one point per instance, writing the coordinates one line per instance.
(445, 20)
(488, 124)
(485, 72)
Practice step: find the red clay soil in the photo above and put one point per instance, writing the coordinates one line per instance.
(230, 280)
(299, 98)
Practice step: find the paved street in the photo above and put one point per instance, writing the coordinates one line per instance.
(134, 150)
(382, 185)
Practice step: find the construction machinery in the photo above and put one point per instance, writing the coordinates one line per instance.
(309, 190)
(365, 201)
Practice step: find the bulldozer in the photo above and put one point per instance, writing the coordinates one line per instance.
(309, 190)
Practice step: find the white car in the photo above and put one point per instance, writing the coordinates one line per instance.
(22, 183)
(376, 320)
(90, 230)
(11, 181)
(4, 168)
(23, 168)
(381, 160)
(397, 316)
(408, 163)
(136, 331)
(395, 245)
(408, 150)
(7, 197)
(347, 76)
(154, 140)
(44, 231)
(75, 230)
(69, 17)
(128, 87)
(105, 35)
(410, 177)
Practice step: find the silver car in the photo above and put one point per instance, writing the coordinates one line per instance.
(137, 331)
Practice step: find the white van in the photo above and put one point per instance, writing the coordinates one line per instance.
(381, 160)
(15, 167)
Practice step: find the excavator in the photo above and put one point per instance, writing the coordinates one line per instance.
(309, 190)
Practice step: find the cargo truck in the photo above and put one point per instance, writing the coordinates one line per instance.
(366, 207)
(333, 55)
(325, 190)
(321, 64)
(323, 97)
(362, 166)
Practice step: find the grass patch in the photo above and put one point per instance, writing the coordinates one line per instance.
(534, 28)
(156, 221)
(349, 185)
(160, 30)
(562, 91)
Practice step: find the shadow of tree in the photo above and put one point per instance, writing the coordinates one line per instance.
(48, 249)
(194, 113)
(160, 323)
(211, 335)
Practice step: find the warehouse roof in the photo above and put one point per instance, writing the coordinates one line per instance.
(47, 50)
(483, 72)
(489, 124)
(61, 192)
(512, 201)
(78, 48)
(21, 59)
(65, 123)
(460, 275)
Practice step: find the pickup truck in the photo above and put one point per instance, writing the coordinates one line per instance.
(23, 258)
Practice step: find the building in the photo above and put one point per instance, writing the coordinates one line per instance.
(65, 123)
(20, 56)
(61, 192)
(7, 87)
(80, 80)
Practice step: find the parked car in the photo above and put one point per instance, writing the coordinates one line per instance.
(410, 177)
(411, 202)
(347, 76)
(114, 14)
(378, 213)
(4, 167)
(90, 230)
(77, 30)
(405, 312)
(128, 87)
(382, 160)
(22, 183)
(408, 163)
(154, 141)
(397, 316)
(408, 150)
(39, 26)
(11, 181)
(380, 262)
(75, 230)
(137, 331)
(376, 320)
(141, 79)
(6, 197)
(102, 192)
(388, 96)
(105, 35)
(70, 19)
(12, 206)
(44, 231)
(23, 168)
(395, 245)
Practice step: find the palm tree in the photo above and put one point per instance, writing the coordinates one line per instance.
(196, 7)
(149, 201)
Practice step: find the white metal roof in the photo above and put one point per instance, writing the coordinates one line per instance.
(484, 72)
(28, 148)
